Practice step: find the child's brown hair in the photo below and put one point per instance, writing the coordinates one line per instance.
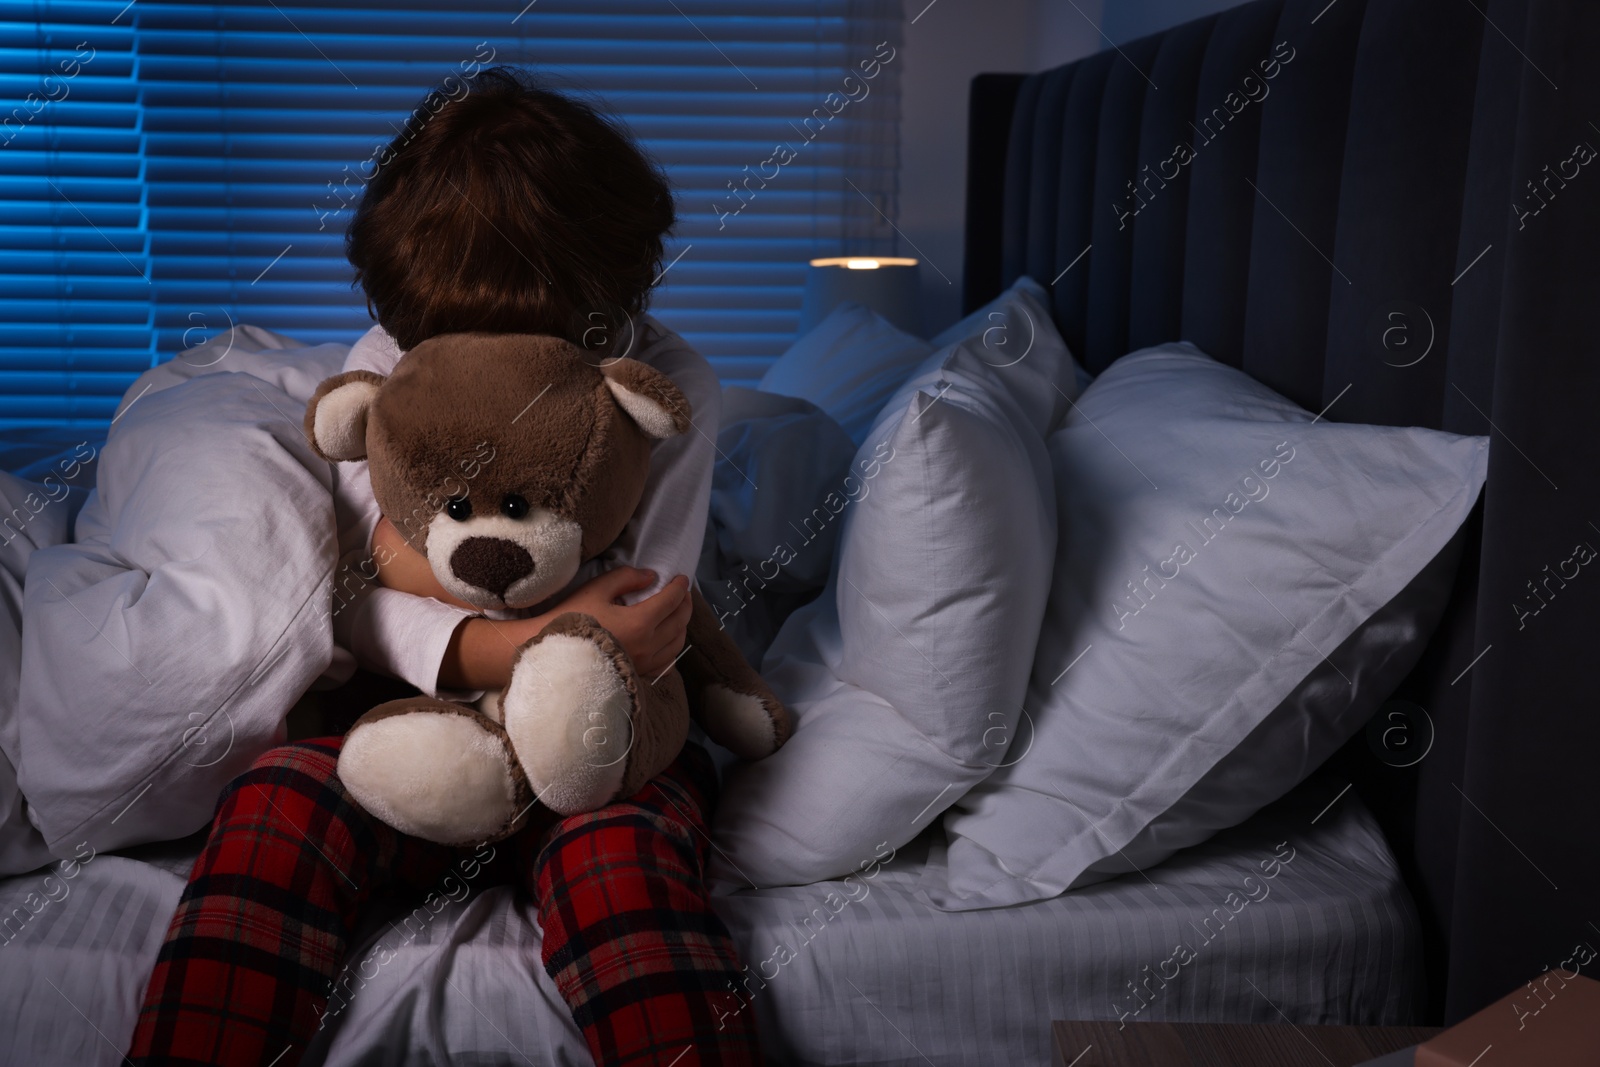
(506, 206)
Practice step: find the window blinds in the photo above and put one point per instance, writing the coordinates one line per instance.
(199, 167)
(74, 250)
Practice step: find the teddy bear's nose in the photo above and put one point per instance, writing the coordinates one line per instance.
(491, 563)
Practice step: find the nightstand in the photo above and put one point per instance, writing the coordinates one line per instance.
(1102, 1044)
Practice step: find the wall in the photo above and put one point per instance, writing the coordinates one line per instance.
(946, 43)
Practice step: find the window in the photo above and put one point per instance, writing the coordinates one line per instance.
(170, 168)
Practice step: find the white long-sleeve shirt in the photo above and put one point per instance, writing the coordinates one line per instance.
(406, 636)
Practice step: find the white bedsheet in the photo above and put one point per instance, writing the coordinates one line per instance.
(887, 980)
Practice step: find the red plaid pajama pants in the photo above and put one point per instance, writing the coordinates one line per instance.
(293, 863)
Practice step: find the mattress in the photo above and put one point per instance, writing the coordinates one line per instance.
(864, 973)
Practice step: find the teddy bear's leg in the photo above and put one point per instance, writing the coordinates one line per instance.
(435, 770)
(585, 726)
(730, 699)
(489, 704)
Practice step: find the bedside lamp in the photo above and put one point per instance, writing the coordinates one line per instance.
(886, 284)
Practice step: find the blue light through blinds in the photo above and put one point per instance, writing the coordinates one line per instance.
(171, 168)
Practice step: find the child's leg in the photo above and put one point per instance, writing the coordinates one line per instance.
(629, 935)
(266, 918)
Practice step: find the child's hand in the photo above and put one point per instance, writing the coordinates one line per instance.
(652, 631)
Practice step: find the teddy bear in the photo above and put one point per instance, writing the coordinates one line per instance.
(507, 461)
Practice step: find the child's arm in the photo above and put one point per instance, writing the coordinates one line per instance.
(481, 651)
(404, 568)
(652, 631)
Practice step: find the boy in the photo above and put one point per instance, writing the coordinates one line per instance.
(506, 208)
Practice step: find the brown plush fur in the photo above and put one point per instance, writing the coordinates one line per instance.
(506, 413)
(479, 417)
(713, 659)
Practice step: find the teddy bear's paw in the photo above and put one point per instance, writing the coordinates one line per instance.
(435, 770)
(748, 725)
(569, 713)
(489, 704)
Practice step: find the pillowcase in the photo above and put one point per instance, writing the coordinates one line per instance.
(1314, 721)
(781, 466)
(1010, 325)
(906, 675)
(848, 365)
(1216, 544)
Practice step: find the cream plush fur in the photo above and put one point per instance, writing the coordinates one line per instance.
(340, 427)
(649, 414)
(736, 718)
(567, 712)
(552, 541)
(434, 776)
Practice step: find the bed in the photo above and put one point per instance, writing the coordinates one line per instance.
(886, 978)
(1414, 897)
(887, 981)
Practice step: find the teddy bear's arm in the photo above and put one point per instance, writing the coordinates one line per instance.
(729, 698)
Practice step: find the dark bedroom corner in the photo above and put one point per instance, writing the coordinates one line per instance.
(656, 533)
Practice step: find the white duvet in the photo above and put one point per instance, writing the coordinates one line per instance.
(163, 646)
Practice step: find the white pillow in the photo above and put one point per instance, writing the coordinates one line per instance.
(1327, 708)
(782, 466)
(1011, 325)
(848, 365)
(1216, 542)
(908, 673)
(779, 458)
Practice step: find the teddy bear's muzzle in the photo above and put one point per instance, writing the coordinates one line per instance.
(492, 564)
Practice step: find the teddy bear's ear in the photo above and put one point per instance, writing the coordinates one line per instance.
(336, 417)
(648, 396)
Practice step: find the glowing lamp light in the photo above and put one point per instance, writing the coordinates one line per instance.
(886, 284)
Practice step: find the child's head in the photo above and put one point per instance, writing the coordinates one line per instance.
(507, 207)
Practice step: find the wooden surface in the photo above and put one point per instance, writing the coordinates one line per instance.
(1102, 1044)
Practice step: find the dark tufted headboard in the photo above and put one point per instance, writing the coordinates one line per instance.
(1389, 209)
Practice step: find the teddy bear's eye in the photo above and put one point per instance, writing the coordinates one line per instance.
(513, 506)
(459, 508)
